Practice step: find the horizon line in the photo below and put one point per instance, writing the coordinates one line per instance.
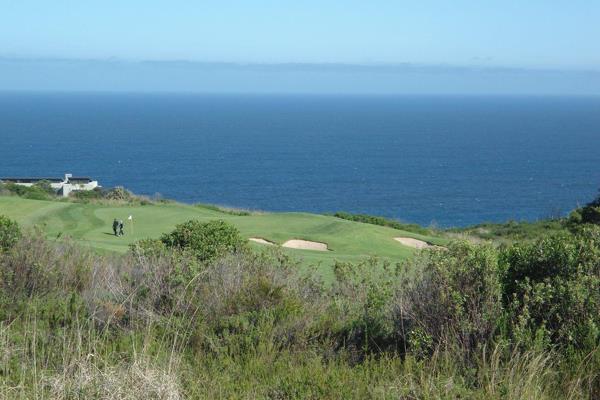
(389, 67)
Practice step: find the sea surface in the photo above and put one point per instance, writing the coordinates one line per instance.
(448, 161)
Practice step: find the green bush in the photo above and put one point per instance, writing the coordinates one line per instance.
(87, 195)
(227, 210)
(28, 192)
(513, 230)
(10, 233)
(45, 186)
(552, 288)
(374, 220)
(454, 301)
(589, 214)
(359, 315)
(206, 240)
(148, 247)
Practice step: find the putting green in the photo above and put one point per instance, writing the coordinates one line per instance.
(91, 224)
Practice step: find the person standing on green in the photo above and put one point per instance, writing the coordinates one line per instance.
(115, 226)
(121, 233)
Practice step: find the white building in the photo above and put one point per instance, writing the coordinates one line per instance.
(62, 186)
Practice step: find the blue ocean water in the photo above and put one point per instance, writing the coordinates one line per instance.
(445, 160)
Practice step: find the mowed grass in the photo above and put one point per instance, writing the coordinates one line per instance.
(91, 224)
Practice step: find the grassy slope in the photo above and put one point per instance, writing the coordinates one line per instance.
(91, 224)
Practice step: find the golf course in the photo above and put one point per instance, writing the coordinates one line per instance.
(91, 225)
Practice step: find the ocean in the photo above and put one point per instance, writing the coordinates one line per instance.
(445, 160)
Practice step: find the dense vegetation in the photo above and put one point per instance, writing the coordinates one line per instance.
(391, 223)
(39, 191)
(10, 233)
(498, 232)
(588, 214)
(512, 230)
(43, 191)
(196, 318)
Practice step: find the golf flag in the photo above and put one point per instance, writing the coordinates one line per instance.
(130, 217)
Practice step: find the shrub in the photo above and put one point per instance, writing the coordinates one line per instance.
(45, 186)
(362, 294)
(206, 240)
(226, 210)
(552, 287)
(119, 193)
(86, 195)
(248, 299)
(148, 247)
(149, 282)
(513, 230)
(454, 300)
(374, 220)
(28, 192)
(37, 266)
(589, 214)
(10, 233)
(575, 218)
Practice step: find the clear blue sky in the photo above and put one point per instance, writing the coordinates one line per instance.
(525, 36)
(532, 33)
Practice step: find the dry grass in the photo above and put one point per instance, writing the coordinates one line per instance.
(139, 379)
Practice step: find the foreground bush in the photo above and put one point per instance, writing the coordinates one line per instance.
(553, 289)
(454, 301)
(36, 267)
(159, 323)
(10, 233)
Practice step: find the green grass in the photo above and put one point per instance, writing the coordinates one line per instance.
(90, 224)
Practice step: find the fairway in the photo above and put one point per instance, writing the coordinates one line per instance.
(91, 224)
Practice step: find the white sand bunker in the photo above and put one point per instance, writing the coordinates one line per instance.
(415, 243)
(261, 241)
(305, 245)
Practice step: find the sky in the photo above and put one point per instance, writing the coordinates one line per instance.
(534, 46)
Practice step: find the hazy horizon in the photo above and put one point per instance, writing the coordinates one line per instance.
(112, 75)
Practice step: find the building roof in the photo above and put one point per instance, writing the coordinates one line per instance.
(79, 179)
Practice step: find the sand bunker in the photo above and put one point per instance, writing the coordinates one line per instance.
(261, 241)
(415, 243)
(305, 245)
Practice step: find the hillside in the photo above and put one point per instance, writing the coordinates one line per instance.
(90, 224)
